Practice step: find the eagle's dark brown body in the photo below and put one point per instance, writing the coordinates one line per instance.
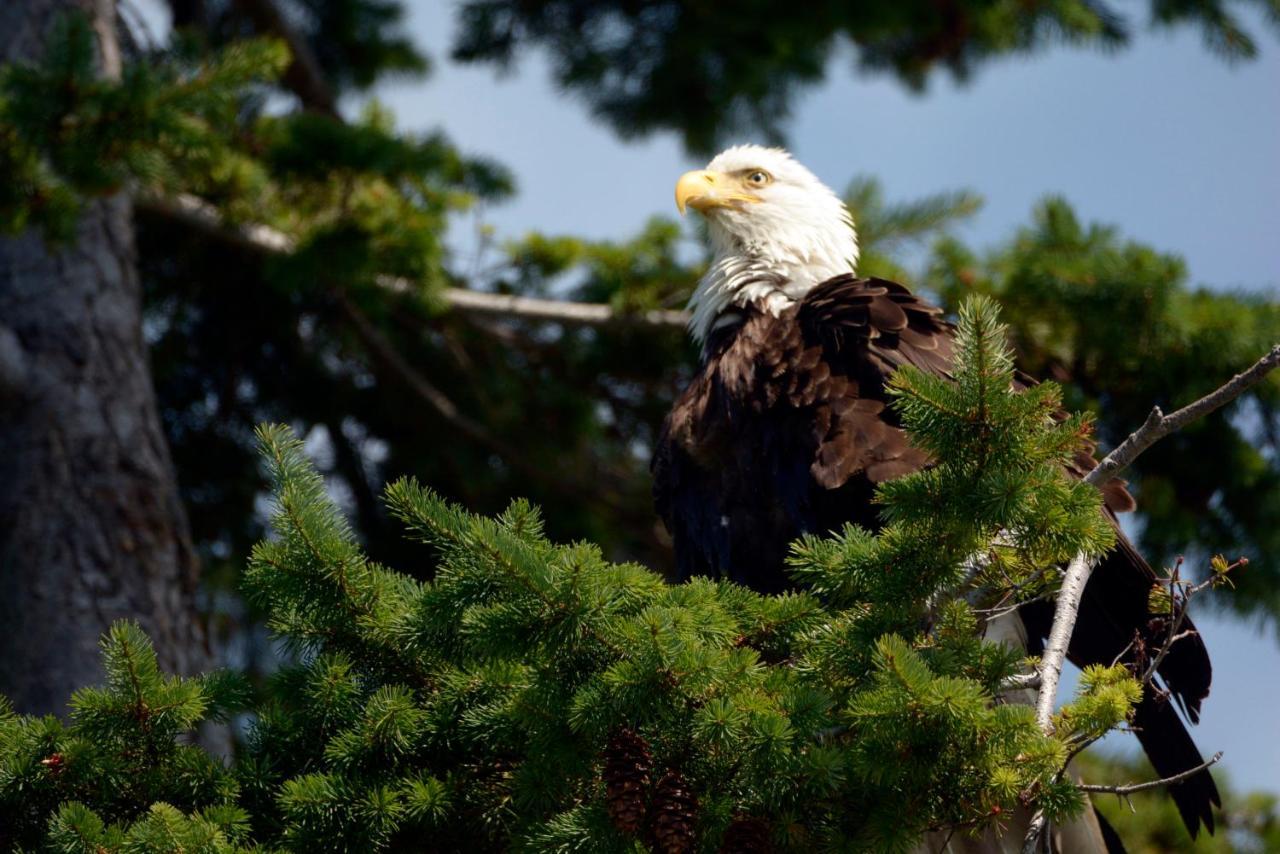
(785, 431)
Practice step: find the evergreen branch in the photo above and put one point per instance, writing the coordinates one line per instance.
(139, 701)
(1131, 788)
(204, 217)
(296, 521)
(400, 500)
(1158, 425)
(303, 76)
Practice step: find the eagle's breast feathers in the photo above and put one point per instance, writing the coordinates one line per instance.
(820, 366)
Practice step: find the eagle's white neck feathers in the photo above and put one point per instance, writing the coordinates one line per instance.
(770, 253)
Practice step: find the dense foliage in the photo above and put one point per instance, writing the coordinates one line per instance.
(380, 378)
(476, 709)
(478, 695)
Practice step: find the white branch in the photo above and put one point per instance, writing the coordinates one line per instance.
(560, 311)
(1031, 842)
(1020, 681)
(203, 216)
(1157, 426)
(1064, 623)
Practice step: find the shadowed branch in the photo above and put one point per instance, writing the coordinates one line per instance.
(202, 216)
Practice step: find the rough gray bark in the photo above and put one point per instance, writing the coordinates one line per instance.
(91, 527)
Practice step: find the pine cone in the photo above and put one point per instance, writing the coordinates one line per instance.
(627, 762)
(672, 816)
(747, 836)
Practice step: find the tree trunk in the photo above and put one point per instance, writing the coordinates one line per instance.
(91, 528)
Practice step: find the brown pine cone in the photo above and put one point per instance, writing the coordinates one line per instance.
(747, 835)
(627, 763)
(673, 815)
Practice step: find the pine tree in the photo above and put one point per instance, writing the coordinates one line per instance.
(535, 696)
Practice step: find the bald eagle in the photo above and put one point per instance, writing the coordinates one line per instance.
(785, 429)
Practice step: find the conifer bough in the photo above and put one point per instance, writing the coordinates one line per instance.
(524, 695)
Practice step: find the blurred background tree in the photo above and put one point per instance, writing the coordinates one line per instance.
(1148, 822)
(712, 71)
(339, 320)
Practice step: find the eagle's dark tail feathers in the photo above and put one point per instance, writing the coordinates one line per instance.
(1115, 845)
(1114, 614)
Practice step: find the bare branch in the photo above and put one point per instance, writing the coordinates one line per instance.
(1152, 784)
(304, 77)
(199, 215)
(202, 216)
(560, 311)
(1064, 623)
(1179, 606)
(1021, 680)
(386, 352)
(1035, 829)
(1158, 425)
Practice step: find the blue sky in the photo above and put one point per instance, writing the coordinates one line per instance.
(1176, 147)
(1165, 141)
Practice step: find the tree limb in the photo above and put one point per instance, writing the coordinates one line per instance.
(1064, 623)
(1018, 681)
(1152, 784)
(1157, 426)
(204, 217)
(560, 311)
(304, 77)
(386, 352)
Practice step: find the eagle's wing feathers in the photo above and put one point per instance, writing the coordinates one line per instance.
(785, 430)
(863, 330)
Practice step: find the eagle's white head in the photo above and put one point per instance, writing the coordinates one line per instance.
(776, 231)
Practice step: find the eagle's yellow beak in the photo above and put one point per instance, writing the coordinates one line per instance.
(703, 189)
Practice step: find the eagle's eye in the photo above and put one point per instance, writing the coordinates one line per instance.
(758, 178)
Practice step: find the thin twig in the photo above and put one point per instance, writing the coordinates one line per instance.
(1158, 425)
(1180, 597)
(1083, 745)
(202, 216)
(1152, 784)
